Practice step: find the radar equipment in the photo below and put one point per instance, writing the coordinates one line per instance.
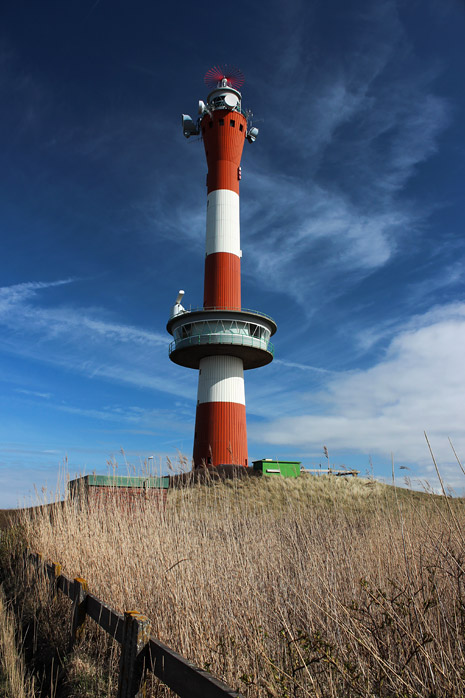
(177, 308)
(189, 128)
(252, 134)
(231, 100)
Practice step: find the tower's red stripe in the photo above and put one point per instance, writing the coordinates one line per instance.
(222, 287)
(223, 147)
(220, 434)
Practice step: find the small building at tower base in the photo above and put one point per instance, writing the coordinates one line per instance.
(285, 468)
(124, 492)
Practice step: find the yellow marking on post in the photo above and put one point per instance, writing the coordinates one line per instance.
(82, 582)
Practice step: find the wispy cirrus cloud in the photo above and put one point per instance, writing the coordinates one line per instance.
(86, 341)
(130, 418)
(348, 137)
(17, 310)
(325, 198)
(303, 367)
(33, 393)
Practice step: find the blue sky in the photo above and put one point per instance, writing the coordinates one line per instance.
(352, 228)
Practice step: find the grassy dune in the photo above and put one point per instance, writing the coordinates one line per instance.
(319, 586)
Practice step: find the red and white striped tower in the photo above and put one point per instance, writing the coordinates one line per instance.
(221, 339)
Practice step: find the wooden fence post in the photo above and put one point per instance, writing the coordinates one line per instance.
(78, 615)
(55, 573)
(136, 635)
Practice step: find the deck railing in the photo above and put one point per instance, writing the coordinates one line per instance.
(244, 340)
(191, 309)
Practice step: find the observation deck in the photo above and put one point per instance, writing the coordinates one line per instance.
(202, 332)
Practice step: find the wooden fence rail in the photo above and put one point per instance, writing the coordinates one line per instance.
(139, 651)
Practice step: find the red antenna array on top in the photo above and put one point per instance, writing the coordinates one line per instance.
(232, 74)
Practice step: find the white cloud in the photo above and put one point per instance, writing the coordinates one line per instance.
(418, 386)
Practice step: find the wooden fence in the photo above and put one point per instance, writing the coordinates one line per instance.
(139, 651)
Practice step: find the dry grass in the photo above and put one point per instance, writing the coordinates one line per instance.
(14, 681)
(319, 586)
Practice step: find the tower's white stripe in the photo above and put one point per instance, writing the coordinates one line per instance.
(223, 225)
(221, 379)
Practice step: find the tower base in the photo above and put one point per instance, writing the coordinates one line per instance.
(220, 434)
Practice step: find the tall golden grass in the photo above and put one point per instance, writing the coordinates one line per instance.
(318, 586)
(14, 680)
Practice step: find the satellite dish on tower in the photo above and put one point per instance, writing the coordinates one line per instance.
(231, 100)
(233, 76)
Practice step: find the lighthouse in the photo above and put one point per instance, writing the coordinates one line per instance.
(221, 339)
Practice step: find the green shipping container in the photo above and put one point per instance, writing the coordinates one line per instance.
(284, 468)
